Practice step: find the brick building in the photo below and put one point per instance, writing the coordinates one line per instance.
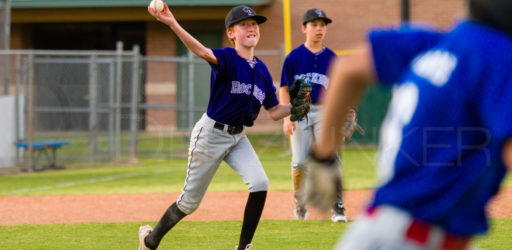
(98, 24)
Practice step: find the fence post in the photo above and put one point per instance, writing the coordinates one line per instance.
(30, 120)
(134, 108)
(112, 109)
(93, 105)
(404, 10)
(17, 76)
(118, 98)
(6, 42)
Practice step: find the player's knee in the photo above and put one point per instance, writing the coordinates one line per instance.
(187, 208)
(259, 184)
(298, 166)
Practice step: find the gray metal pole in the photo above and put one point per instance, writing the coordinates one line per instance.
(134, 109)
(17, 124)
(191, 89)
(112, 109)
(404, 11)
(30, 132)
(24, 82)
(6, 43)
(118, 98)
(7, 24)
(93, 105)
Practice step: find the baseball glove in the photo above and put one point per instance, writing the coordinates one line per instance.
(350, 125)
(300, 91)
(324, 181)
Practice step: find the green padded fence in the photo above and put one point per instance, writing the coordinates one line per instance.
(370, 114)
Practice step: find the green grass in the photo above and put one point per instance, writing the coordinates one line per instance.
(77, 152)
(153, 175)
(508, 181)
(271, 234)
(498, 236)
(168, 175)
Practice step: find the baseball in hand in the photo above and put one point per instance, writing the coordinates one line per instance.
(157, 5)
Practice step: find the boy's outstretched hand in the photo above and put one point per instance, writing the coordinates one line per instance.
(164, 16)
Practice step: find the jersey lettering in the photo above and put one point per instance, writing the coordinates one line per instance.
(435, 66)
(242, 88)
(315, 78)
(259, 94)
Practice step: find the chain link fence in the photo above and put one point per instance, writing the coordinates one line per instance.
(75, 97)
(117, 106)
(109, 105)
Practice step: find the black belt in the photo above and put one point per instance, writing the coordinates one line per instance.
(232, 129)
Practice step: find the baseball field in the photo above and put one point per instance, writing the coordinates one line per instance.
(102, 207)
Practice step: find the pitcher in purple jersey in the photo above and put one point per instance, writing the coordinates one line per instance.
(240, 85)
(309, 61)
(446, 142)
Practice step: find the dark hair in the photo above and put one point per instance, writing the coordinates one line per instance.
(494, 13)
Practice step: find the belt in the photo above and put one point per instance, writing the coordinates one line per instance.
(232, 129)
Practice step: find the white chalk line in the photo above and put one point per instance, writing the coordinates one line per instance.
(86, 182)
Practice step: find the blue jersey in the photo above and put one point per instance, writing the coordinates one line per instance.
(442, 139)
(239, 89)
(301, 62)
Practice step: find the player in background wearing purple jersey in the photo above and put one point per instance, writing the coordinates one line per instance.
(311, 62)
(240, 85)
(446, 142)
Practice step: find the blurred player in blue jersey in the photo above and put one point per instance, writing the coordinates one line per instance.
(446, 142)
(309, 61)
(240, 84)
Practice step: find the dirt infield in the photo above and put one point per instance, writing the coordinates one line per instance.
(149, 207)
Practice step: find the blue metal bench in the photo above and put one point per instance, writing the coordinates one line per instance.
(41, 148)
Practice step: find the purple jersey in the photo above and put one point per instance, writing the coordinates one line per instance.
(301, 62)
(239, 89)
(441, 141)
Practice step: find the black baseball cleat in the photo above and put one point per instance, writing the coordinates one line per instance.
(338, 214)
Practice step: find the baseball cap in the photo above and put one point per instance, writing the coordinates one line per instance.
(242, 12)
(313, 14)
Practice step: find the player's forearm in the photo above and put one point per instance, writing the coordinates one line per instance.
(507, 154)
(192, 44)
(284, 97)
(280, 111)
(348, 80)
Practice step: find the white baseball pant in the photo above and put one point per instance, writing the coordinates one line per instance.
(208, 147)
(390, 228)
(307, 131)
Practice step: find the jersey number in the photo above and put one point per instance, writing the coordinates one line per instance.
(401, 110)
